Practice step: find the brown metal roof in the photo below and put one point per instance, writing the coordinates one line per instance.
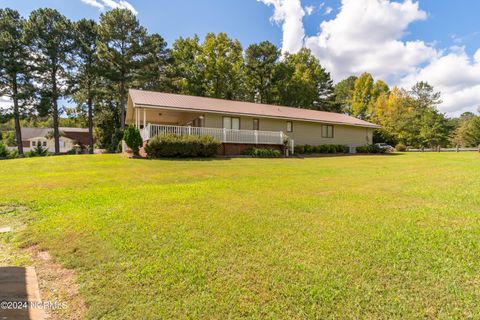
(79, 134)
(192, 103)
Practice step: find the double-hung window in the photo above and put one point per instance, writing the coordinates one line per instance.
(327, 131)
(231, 123)
(289, 126)
(256, 124)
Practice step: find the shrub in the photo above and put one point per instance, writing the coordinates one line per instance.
(40, 151)
(13, 154)
(170, 145)
(115, 145)
(324, 148)
(263, 153)
(133, 139)
(3, 151)
(299, 149)
(374, 149)
(401, 147)
(309, 149)
(30, 154)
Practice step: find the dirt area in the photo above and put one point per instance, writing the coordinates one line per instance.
(57, 284)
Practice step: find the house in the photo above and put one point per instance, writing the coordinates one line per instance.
(241, 125)
(69, 137)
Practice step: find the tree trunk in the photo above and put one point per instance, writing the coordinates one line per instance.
(122, 105)
(16, 115)
(90, 123)
(56, 133)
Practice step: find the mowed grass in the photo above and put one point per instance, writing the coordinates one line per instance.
(341, 237)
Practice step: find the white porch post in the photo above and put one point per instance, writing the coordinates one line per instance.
(256, 136)
(137, 122)
(144, 118)
(281, 137)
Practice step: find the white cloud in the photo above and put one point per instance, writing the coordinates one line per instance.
(110, 4)
(5, 103)
(368, 35)
(309, 10)
(328, 10)
(94, 3)
(456, 75)
(289, 13)
(364, 36)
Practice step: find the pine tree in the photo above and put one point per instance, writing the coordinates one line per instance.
(87, 77)
(120, 51)
(15, 73)
(50, 36)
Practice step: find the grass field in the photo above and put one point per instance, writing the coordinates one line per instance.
(341, 237)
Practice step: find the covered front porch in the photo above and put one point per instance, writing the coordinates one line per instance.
(155, 121)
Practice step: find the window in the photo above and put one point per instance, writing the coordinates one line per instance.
(44, 143)
(327, 131)
(231, 123)
(256, 124)
(34, 143)
(289, 126)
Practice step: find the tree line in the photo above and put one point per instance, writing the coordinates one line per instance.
(409, 117)
(46, 58)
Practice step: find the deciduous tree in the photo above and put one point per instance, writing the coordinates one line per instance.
(302, 82)
(222, 61)
(344, 92)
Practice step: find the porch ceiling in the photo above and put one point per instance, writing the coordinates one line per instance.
(160, 116)
(164, 116)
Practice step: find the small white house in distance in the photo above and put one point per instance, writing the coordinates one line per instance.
(32, 137)
(66, 144)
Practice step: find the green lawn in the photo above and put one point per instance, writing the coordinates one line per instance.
(341, 237)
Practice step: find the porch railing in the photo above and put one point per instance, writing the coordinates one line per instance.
(223, 135)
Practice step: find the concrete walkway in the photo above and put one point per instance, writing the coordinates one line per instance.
(19, 284)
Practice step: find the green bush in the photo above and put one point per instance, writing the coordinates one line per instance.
(309, 149)
(133, 139)
(40, 151)
(30, 154)
(324, 148)
(13, 154)
(263, 153)
(170, 145)
(115, 145)
(401, 147)
(371, 149)
(3, 151)
(299, 149)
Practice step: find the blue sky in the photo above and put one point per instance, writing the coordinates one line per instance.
(427, 38)
(248, 20)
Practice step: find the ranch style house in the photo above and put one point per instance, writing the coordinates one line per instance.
(241, 125)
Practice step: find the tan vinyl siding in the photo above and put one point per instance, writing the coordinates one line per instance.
(303, 132)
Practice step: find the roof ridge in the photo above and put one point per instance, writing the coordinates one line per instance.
(238, 101)
(208, 104)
